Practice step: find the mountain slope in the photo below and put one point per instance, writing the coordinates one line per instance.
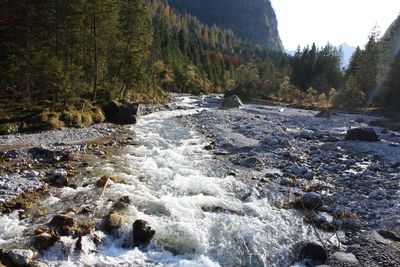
(254, 20)
(391, 39)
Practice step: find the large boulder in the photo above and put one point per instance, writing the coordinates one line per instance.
(45, 238)
(64, 225)
(112, 222)
(124, 112)
(231, 102)
(142, 233)
(362, 134)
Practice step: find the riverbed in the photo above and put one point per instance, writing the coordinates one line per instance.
(212, 184)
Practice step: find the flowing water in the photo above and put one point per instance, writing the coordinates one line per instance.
(185, 194)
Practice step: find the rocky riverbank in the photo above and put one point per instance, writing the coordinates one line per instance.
(77, 186)
(300, 159)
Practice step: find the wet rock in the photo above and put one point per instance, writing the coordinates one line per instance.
(122, 203)
(84, 244)
(113, 221)
(45, 238)
(343, 259)
(38, 264)
(142, 233)
(315, 254)
(21, 257)
(362, 134)
(209, 147)
(105, 179)
(231, 102)
(124, 112)
(311, 201)
(64, 224)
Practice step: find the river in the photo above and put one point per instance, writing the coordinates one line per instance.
(185, 193)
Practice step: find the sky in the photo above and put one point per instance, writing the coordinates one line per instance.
(302, 22)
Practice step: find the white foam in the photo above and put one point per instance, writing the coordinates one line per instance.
(11, 228)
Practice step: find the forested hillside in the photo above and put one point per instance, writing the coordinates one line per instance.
(72, 56)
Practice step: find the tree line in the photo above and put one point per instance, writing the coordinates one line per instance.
(60, 53)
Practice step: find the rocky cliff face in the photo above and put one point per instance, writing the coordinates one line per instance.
(392, 39)
(254, 20)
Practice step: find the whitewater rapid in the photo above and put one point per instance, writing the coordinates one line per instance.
(185, 193)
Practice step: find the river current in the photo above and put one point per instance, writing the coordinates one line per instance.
(186, 194)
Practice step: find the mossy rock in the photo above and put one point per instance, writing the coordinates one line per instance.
(123, 112)
(97, 115)
(72, 118)
(49, 121)
(9, 128)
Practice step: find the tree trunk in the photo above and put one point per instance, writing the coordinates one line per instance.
(57, 22)
(95, 75)
(28, 25)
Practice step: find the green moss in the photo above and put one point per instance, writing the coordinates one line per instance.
(86, 119)
(97, 115)
(48, 121)
(72, 118)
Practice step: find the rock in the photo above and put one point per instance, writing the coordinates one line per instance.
(209, 147)
(38, 264)
(84, 244)
(311, 201)
(298, 169)
(124, 112)
(32, 174)
(252, 162)
(59, 172)
(64, 224)
(142, 233)
(21, 257)
(61, 181)
(362, 134)
(45, 238)
(314, 253)
(343, 259)
(112, 222)
(231, 102)
(122, 203)
(103, 180)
